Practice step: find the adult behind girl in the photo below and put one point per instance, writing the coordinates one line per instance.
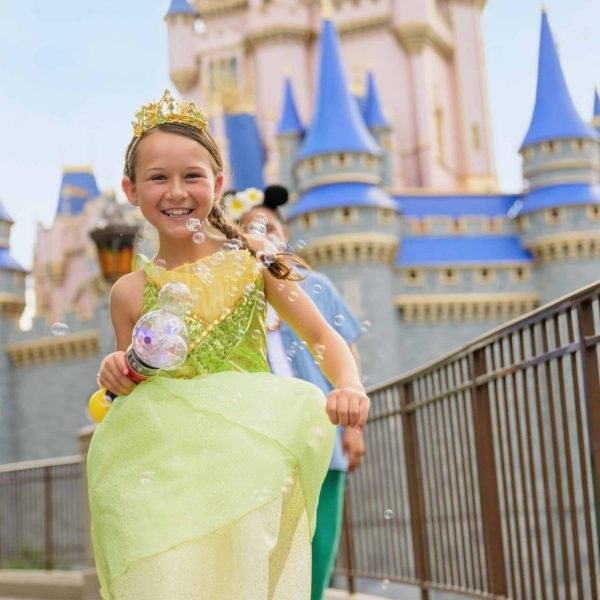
(204, 481)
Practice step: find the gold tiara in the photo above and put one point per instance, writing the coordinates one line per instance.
(168, 110)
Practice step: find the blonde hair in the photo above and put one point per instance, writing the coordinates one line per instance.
(283, 266)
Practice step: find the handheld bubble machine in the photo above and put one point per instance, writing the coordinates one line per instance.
(159, 342)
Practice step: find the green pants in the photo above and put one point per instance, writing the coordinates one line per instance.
(327, 535)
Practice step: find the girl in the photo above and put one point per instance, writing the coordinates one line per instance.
(203, 481)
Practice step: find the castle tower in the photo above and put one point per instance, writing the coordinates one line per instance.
(12, 303)
(559, 218)
(431, 85)
(348, 223)
(290, 133)
(596, 117)
(380, 128)
(64, 260)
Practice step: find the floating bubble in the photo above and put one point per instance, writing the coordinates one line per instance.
(175, 297)
(193, 224)
(59, 329)
(288, 485)
(300, 245)
(316, 289)
(261, 304)
(281, 287)
(293, 296)
(338, 320)
(147, 477)
(249, 288)
(388, 513)
(256, 334)
(233, 291)
(161, 264)
(260, 296)
(198, 237)
(237, 243)
(261, 218)
(217, 259)
(302, 345)
(385, 584)
(365, 326)
(204, 273)
(315, 436)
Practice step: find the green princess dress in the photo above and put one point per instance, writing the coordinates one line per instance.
(204, 481)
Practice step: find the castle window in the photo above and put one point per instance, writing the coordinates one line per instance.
(346, 215)
(449, 276)
(308, 221)
(413, 277)
(340, 160)
(419, 226)
(493, 225)
(549, 147)
(385, 215)
(554, 216)
(522, 223)
(485, 275)
(458, 225)
(520, 274)
(476, 135)
(580, 145)
(593, 212)
(528, 153)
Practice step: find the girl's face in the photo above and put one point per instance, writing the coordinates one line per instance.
(174, 182)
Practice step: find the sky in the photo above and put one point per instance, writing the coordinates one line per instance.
(73, 72)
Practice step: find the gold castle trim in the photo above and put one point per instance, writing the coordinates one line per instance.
(46, 350)
(261, 37)
(11, 305)
(414, 37)
(351, 249)
(565, 247)
(421, 308)
(210, 9)
(184, 79)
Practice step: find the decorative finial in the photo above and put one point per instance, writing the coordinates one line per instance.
(543, 8)
(287, 70)
(326, 9)
(168, 110)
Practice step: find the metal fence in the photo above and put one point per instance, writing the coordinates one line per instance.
(41, 514)
(482, 470)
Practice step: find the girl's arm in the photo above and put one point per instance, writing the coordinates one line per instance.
(125, 303)
(347, 404)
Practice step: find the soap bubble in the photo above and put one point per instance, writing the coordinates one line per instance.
(388, 514)
(204, 273)
(316, 289)
(293, 296)
(159, 339)
(261, 218)
(147, 477)
(256, 334)
(365, 326)
(161, 264)
(198, 237)
(217, 259)
(300, 245)
(175, 297)
(58, 329)
(288, 485)
(315, 436)
(260, 296)
(193, 224)
(338, 320)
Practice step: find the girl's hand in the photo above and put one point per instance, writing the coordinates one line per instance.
(113, 374)
(348, 407)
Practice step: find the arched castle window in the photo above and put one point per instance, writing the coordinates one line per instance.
(485, 275)
(385, 215)
(346, 215)
(413, 277)
(449, 276)
(593, 212)
(554, 215)
(308, 221)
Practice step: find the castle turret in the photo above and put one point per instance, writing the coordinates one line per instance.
(246, 151)
(180, 24)
(380, 128)
(348, 222)
(290, 133)
(596, 117)
(12, 303)
(559, 215)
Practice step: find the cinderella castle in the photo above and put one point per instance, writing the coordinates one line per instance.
(375, 116)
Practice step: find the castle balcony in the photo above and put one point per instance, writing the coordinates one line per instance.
(481, 478)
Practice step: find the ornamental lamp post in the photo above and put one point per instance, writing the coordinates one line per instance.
(114, 237)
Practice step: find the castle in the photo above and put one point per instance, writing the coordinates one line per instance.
(375, 116)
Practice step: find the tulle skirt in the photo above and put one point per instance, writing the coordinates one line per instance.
(207, 488)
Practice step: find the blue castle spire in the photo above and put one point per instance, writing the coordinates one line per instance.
(596, 117)
(180, 7)
(7, 262)
(372, 112)
(290, 121)
(554, 115)
(337, 125)
(246, 150)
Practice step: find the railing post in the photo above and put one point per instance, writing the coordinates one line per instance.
(486, 475)
(349, 546)
(416, 496)
(48, 519)
(591, 394)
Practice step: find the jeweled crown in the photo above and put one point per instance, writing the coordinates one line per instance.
(168, 110)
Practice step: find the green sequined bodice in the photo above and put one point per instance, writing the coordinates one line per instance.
(226, 324)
